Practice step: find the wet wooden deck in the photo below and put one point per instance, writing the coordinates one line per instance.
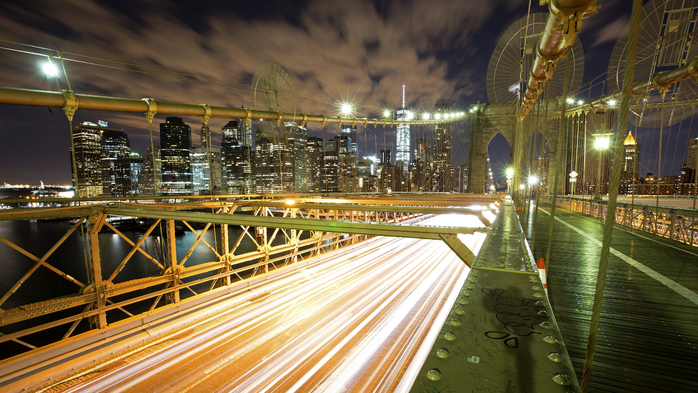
(648, 335)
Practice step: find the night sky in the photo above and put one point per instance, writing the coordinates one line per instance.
(358, 51)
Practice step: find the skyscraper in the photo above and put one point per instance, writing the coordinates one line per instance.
(300, 156)
(273, 164)
(127, 174)
(349, 132)
(443, 157)
(150, 178)
(631, 154)
(237, 159)
(315, 152)
(115, 146)
(87, 138)
(402, 143)
(175, 150)
(206, 170)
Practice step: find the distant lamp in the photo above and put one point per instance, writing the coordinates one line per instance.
(532, 180)
(570, 100)
(510, 173)
(50, 70)
(602, 143)
(522, 186)
(580, 102)
(425, 116)
(437, 116)
(290, 202)
(346, 109)
(612, 102)
(452, 115)
(386, 113)
(410, 115)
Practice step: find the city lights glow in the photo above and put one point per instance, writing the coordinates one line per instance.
(532, 180)
(50, 69)
(425, 116)
(580, 102)
(570, 100)
(437, 116)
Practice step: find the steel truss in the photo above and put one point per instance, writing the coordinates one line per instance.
(284, 232)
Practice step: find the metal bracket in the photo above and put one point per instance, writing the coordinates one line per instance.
(71, 103)
(152, 109)
(305, 119)
(247, 118)
(324, 119)
(280, 119)
(207, 113)
(459, 248)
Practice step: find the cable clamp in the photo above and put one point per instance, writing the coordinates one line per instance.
(152, 109)
(207, 113)
(71, 103)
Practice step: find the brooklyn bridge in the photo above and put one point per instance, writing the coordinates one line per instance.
(281, 261)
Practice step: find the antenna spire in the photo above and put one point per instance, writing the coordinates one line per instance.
(403, 96)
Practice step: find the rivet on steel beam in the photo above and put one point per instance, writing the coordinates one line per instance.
(550, 340)
(463, 302)
(555, 357)
(455, 322)
(535, 288)
(450, 336)
(442, 353)
(546, 325)
(466, 293)
(540, 303)
(459, 311)
(561, 379)
(537, 295)
(434, 374)
(469, 287)
(543, 313)
(472, 280)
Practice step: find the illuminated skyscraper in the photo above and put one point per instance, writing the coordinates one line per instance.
(237, 159)
(402, 143)
(175, 151)
(87, 138)
(443, 134)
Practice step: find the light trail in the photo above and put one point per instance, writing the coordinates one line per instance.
(354, 322)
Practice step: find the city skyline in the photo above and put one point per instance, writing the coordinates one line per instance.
(362, 52)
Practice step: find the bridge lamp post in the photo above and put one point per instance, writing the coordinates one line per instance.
(573, 181)
(386, 113)
(510, 175)
(425, 116)
(601, 143)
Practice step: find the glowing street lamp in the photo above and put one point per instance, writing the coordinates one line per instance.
(601, 143)
(50, 69)
(573, 180)
(425, 116)
(386, 113)
(612, 102)
(347, 109)
(532, 180)
(437, 116)
(570, 100)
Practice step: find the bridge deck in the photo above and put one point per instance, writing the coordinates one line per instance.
(649, 323)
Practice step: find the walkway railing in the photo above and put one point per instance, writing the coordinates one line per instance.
(676, 223)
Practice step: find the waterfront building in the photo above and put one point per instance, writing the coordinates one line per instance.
(206, 170)
(315, 152)
(175, 152)
(87, 139)
(237, 159)
(115, 146)
(151, 174)
(273, 164)
(127, 174)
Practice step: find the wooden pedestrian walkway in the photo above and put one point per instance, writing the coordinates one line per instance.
(648, 335)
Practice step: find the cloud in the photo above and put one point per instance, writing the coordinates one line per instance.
(334, 51)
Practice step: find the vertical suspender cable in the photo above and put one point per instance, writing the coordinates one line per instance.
(558, 158)
(659, 164)
(613, 195)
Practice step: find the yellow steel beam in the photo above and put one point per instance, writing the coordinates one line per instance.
(378, 229)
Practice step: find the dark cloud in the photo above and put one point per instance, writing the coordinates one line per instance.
(333, 50)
